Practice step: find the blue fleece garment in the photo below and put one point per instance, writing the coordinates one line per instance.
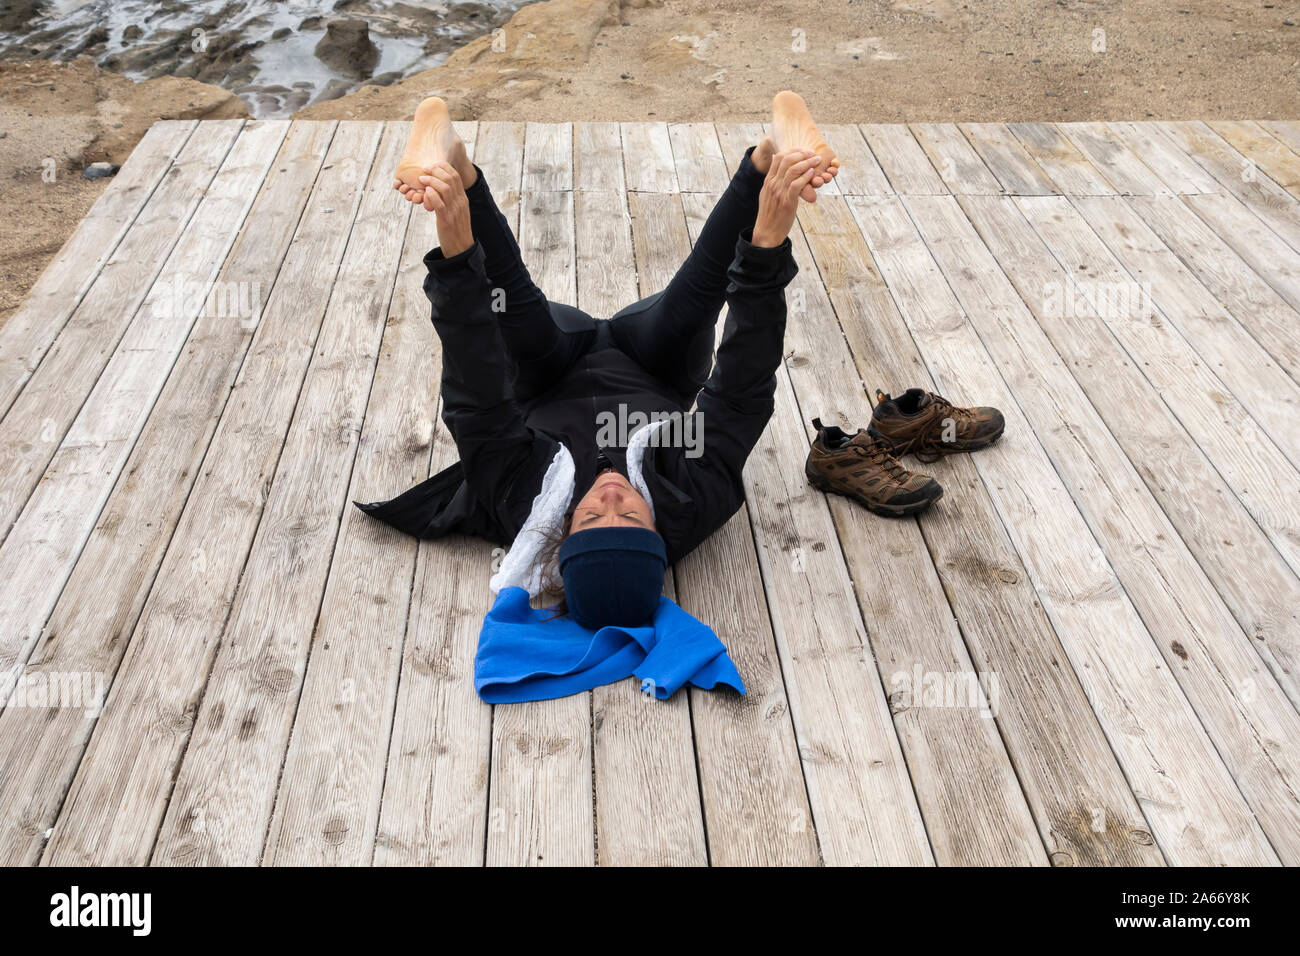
(523, 656)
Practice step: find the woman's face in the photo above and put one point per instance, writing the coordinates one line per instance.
(611, 501)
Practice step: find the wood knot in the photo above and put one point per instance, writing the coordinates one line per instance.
(276, 679)
(335, 831)
(898, 702)
(1139, 836)
(178, 724)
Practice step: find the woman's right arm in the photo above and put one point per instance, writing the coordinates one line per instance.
(500, 455)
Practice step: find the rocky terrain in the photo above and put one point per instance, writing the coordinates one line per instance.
(277, 55)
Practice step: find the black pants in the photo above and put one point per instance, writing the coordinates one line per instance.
(670, 334)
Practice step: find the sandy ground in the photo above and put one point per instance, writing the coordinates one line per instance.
(55, 118)
(853, 60)
(868, 61)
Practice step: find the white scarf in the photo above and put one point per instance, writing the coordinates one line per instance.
(524, 565)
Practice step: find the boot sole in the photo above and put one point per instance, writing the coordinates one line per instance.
(875, 507)
(898, 449)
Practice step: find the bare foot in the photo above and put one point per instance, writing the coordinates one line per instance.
(793, 128)
(433, 140)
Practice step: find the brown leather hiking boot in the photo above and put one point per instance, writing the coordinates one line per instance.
(860, 467)
(929, 426)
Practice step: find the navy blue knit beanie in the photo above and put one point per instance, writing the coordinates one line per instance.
(613, 576)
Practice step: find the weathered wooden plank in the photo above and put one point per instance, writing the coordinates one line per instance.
(606, 267)
(1254, 467)
(435, 803)
(328, 814)
(546, 242)
(647, 790)
(958, 164)
(499, 155)
(697, 157)
(120, 792)
(859, 173)
(88, 630)
(1060, 159)
(1007, 159)
(903, 159)
(1252, 302)
(1285, 131)
(1244, 711)
(548, 157)
(1072, 783)
(1238, 175)
(1121, 166)
(38, 420)
(228, 780)
(1267, 394)
(735, 138)
(435, 800)
(67, 278)
(39, 553)
(1277, 263)
(1178, 170)
(434, 809)
(1269, 154)
(597, 157)
(648, 158)
(1241, 560)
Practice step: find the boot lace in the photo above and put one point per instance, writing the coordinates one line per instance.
(878, 454)
(929, 447)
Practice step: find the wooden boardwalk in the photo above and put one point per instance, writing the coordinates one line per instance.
(1087, 653)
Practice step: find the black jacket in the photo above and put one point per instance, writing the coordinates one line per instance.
(506, 446)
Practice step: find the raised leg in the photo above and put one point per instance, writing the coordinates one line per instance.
(541, 351)
(670, 334)
(435, 160)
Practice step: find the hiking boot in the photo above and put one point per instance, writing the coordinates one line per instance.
(929, 426)
(860, 467)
